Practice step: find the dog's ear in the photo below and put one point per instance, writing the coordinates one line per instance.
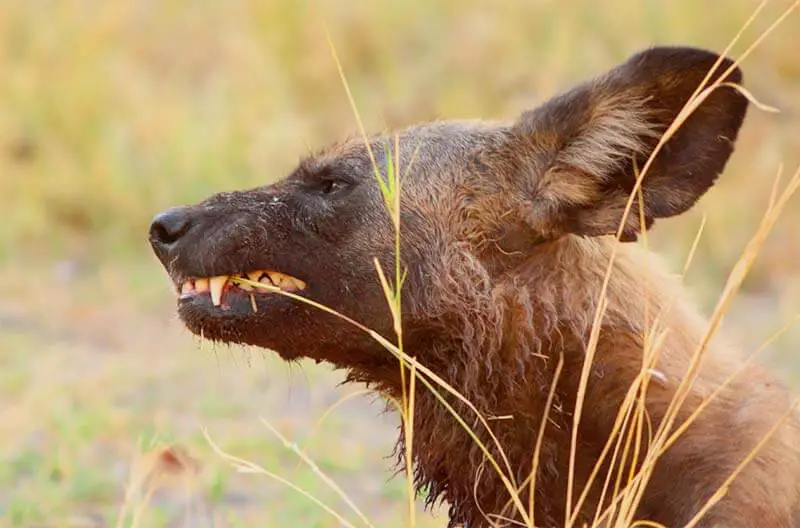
(575, 159)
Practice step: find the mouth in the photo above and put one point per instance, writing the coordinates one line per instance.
(221, 287)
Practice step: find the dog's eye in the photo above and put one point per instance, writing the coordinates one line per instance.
(331, 186)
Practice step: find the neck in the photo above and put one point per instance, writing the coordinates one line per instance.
(500, 345)
(503, 358)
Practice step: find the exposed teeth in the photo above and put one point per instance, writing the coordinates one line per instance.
(254, 275)
(201, 285)
(245, 287)
(286, 282)
(215, 285)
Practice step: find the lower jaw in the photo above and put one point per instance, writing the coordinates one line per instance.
(239, 319)
(235, 301)
(230, 331)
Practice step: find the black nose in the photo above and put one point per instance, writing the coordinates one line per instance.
(170, 225)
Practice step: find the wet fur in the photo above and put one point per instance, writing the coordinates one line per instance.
(505, 235)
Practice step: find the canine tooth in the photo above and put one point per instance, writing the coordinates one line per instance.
(201, 285)
(216, 284)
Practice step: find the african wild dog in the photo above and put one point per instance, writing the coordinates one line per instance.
(505, 236)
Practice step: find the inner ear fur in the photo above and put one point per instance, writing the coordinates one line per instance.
(576, 158)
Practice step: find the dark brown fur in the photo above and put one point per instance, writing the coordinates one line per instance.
(505, 238)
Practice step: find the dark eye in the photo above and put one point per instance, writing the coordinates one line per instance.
(331, 186)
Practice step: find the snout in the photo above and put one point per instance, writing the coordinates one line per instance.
(167, 229)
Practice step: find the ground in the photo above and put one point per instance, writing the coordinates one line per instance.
(110, 112)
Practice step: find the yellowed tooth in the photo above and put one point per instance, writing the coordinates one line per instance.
(265, 280)
(287, 283)
(254, 275)
(245, 287)
(253, 303)
(201, 285)
(186, 287)
(216, 284)
(300, 285)
(275, 277)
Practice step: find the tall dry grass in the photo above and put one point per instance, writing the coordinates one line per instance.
(632, 434)
(87, 153)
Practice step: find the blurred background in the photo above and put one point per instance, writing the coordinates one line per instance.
(111, 111)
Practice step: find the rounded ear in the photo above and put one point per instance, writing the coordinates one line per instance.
(578, 156)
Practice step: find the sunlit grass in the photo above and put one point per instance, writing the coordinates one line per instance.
(105, 119)
(119, 122)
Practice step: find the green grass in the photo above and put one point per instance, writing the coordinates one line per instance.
(112, 111)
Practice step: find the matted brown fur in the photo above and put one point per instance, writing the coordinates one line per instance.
(505, 236)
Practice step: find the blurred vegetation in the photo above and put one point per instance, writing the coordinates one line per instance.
(111, 111)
